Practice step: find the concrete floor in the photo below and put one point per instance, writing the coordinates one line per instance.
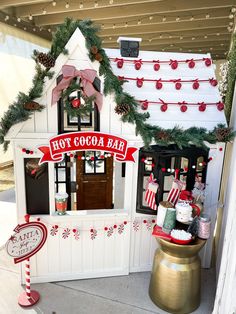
(113, 295)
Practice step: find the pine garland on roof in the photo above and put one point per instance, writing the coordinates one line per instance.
(149, 133)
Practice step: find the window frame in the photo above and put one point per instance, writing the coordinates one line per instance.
(160, 157)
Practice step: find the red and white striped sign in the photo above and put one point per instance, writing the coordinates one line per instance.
(150, 195)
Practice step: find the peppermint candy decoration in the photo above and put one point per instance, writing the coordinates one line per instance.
(76, 234)
(54, 230)
(121, 228)
(136, 225)
(110, 232)
(93, 234)
(66, 233)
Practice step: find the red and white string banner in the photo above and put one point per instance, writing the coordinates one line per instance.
(138, 63)
(183, 105)
(86, 141)
(177, 82)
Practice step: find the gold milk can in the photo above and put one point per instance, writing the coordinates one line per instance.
(175, 284)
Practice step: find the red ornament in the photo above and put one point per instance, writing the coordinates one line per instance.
(145, 221)
(196, 84)
(119, 63)
(91, 230)
(56, 226)
(178, 85)
(92, 158)
(74, 230)
(23, 150)
(191, 63)
(115, 226)
(71, 155)
(220, 106)
(220, 149)
(207, 61)
(105, 228)
(158, 84)
(213, 82)
(75, 103)
(139, 82)
(102, 157)
(156, 66)
(138, 64)
(38, 219)
(202, 106)
(153, 221)
(144, 105)
(209, 159)
(125, 222)
(153, 165)
(164, 107)
(163, 169)
(174, 64)
(183, 108)
(31, 152)
(143, 159)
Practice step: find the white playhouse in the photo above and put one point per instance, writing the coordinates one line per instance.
(107, 229)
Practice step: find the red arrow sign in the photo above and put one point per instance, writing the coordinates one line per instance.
(27, 241)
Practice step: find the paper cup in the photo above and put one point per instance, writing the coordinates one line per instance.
(61, 203)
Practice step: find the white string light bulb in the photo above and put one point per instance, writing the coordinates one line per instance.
(177, 19)
(191, 18)
(6, 18)
(163, 19)
(207, 16)
(54, 3)
(233, 10)
(231, 16)
(30, 17)
(18, 19)
(67, 5)
(81, 5)
(96, 4)
(44, 11)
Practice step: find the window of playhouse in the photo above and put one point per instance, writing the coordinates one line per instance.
(92, 180)
(157, 169)
(88, 121)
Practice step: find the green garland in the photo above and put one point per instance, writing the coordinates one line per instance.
(231, 78)
(149, 133)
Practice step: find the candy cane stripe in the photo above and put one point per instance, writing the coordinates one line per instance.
(27, 279)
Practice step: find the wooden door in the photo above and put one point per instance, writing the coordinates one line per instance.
(94, 181)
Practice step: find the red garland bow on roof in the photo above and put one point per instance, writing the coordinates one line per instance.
(87, 77)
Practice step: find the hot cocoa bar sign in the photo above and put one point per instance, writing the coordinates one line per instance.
(27, 241)
(82, 141)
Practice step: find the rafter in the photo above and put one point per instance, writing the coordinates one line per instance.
(9, 3)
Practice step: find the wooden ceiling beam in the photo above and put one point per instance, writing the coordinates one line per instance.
(166, 28)
(133, 8)
(10, 3)
(126, 11)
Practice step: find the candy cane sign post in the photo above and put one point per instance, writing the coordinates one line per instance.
(28, 239)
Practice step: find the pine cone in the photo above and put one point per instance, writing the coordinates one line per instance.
(94, 50)
(222, 134)
(163, 136)
(98, 57)
(32, 105)
(46, 60)
(122, 109)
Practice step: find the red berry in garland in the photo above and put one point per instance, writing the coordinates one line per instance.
(191, 64)
(156, 67)
(174, 64)
(220, 106)
(213, 82)
(164, 107)
(139, 82)
(144, 105)
(137, 64)
(202, 106)
(76, 103)
(178, 85)
(119, 63)
(158, 84)
(23, 150)
(196, 84)
(207, 61)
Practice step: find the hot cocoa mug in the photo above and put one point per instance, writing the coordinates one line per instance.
(185, 211)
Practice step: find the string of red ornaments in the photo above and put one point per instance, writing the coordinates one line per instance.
(157, 63)
(183, 105)
(177, 82)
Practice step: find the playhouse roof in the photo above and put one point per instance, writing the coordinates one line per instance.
(78, 56)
